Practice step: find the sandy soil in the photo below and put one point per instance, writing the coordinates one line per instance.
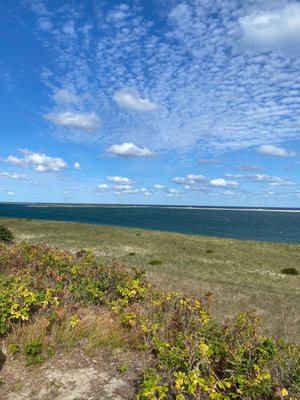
(71, 377)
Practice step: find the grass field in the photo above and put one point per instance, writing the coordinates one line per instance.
(241, 275)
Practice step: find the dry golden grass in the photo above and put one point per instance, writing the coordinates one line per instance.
(97, 328)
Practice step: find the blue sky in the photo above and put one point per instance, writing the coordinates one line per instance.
(150, 102)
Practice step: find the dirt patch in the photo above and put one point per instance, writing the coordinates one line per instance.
(71, 377)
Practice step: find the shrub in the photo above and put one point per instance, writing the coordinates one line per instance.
(123, 368)
(196, 358)
(289, 271)
(34, 347)
(6, 235)
(33, 352)
(39, 280)
(14, 348)
(155, 262)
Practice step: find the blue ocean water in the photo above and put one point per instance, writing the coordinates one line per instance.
(251, 224)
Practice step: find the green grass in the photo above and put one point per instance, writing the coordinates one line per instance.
(242, 275)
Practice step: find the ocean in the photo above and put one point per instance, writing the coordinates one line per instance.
(268, 225)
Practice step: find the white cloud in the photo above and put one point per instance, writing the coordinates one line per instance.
(122, 187)
(193, 177)
(130, 98)
(120, 179)
(272, 180)
(87, 122)
(118, 13)
(38, 161)
(158, 187)
(180, 181)
(45, 24)
(69, 30)
(103, 186)
(6, 192)
(143, 191)
(277, 29)
(77, 165)
(270, 150)
(12, 175)
(65, 96)
(190, 179)
(173, 193)
(220, 182)
(129, 150)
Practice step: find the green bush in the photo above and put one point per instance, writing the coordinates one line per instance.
(197, 358)
(33, 348)
(38, 279)
(6, 235)
(33, 352)
(155, 262)
(14, 348)
(289, 271)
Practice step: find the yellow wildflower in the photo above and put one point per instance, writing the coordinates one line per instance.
(284, 392)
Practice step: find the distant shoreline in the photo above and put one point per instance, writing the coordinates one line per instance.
(167, 207)
(192, 207)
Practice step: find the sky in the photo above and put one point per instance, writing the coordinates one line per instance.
(192, 102)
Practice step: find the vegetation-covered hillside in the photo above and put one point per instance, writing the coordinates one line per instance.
(46, 295)
(241, 275)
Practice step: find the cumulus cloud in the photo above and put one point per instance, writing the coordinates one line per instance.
(173, 193)
(12, 175)
(124, 186)
(87, 122)
(103, 186)
(127, 150)
(190, 179)
(65, 96)
(143, 191)
(195, 178)
(272, 180)
(270, 150)
(220, 182)
(77, 165)
(38, 161)
(277, 29)
(130, 98)
(121, 180)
